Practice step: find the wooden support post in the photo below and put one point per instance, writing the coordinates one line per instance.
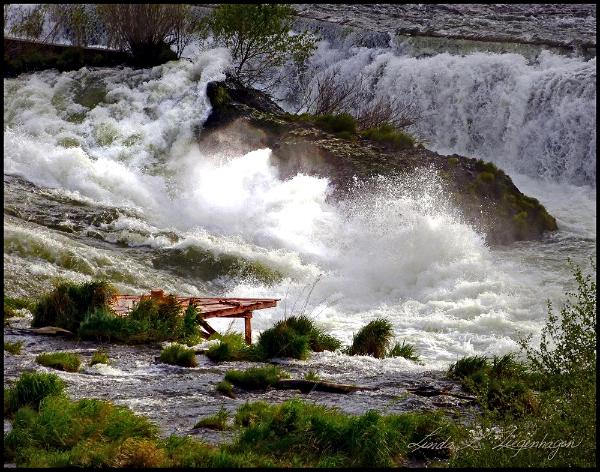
(248, 326)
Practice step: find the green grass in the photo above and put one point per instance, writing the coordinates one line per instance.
(372, 339)
(217, 421)
(150, 320)
(389, 135)
(99, 357)
(68, 304)
(405, 350)
(177, 354)
(11, 305)
(232, 347)
(312, 375)
(66, 361)
(295, 337)
(13, 348)
(226, 388)
(30, 389)
(341, 123)
(256, 378)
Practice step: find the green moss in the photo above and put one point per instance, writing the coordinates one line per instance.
(256, 378)
(387, 134)
(13, 348)
(177, 354)
(372, 339)
(453, 161)
(67, 361)
(68, 142)
(99, 357)
(486, 177)
(221, 97)
(76, 117)
(91, 95)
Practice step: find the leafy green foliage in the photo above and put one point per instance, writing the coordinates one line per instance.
(258, 36)
(68, 304)
(373, 339)
(67, 361)
(391, 136)
(177, 354)
(256, 378)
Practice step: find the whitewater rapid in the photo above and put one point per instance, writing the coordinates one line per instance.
(396, 249)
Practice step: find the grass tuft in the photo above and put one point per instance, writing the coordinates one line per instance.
(372, 339)
(217, 421)
(13, 348)
(99, 357)
(226, 388)
(30, 389)
(405, 350)
(389, 135)
(67, 361)
(256, 378)
(177, 354)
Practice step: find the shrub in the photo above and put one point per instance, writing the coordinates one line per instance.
(372, 339)
(13, 348)
(217, 421)
(258, 36)
(177, 354)
(31, 388)
(256, 378)
(68, 304)
(341, 123)
(387, 134)
(404, 350)
(99, 357)
(66, 361)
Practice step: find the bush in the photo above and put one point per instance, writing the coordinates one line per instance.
(387, 134)
(404, 350)
(372, 339)
(177, 354)
(139, 453)
(30, 389)
(68, 304)
(256, 378)
(66, 361)
(341, 123)
(217, 421)
(13, 348)
(99, 357)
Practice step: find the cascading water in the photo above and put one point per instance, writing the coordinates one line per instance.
(120, 178)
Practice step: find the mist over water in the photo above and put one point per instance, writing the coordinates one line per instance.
(393, 248)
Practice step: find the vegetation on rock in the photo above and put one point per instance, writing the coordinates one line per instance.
(67, 361)
(177, 354)
(255, 378)
(372, 339)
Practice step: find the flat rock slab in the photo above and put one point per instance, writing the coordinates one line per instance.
(51, 330)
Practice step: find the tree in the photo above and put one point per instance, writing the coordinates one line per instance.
(147, 30)
(260, 39)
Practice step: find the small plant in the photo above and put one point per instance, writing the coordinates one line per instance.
(177, 354)
(256, 378)
(404, 350)
(66, 361)
(341, 123)
(387, 134)
(139, 453)
(217, 421)
(13, 348)
(468, 367)
(225, 388)
(312, 375)
(372, 339)
(30, 389)
(99, 357)
(232, 347)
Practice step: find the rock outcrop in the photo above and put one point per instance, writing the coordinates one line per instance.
(245, 119)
